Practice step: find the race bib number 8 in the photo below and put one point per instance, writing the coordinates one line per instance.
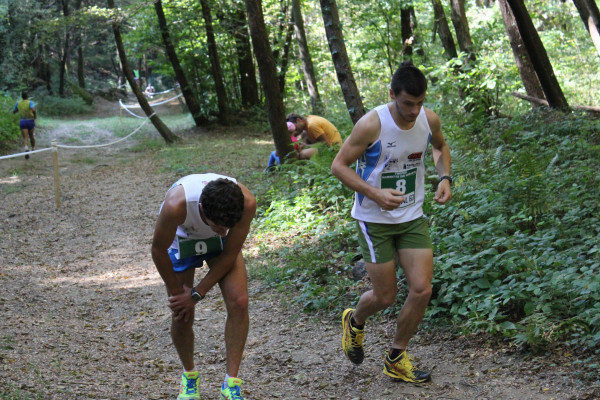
(403, 181)
(189, 247)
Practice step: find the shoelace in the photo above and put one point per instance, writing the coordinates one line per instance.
(191, 386)
(356, 338)
(235, 393)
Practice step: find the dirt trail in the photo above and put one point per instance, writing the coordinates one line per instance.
(84, 311)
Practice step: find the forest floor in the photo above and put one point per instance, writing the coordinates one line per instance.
(84, 311)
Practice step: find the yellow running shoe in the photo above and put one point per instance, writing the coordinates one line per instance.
(188, 390)
(401, 369)
(352, 339)
(231, 389)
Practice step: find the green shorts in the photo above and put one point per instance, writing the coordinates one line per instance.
(379, 242)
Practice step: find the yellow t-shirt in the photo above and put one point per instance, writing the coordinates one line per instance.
(25, 108)
(318, 126)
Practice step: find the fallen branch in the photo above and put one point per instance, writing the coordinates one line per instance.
(543, 102)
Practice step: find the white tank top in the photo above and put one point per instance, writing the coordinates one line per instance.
(396, 160)
(193, 227)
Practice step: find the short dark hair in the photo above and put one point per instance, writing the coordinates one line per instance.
(409, 79)
(293, 117)
(24, 95)
(222, 202)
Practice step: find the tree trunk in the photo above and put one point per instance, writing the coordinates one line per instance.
(215, 64)
(268, 78)
(80, 60)
(248, 84)
(189, 95)
(444, 30)
(406, 30)
(335, 38)
(461, 27)
(307, 64)
(65, 55)
(588, 10)
(526, 70)
(287, 44)
(538, 55)
(162, 129)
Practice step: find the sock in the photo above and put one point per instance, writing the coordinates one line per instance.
(394, 353)
(226, 377)
(190, 370)
(354, 324)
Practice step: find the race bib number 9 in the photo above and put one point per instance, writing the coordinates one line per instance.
(403, 181)
(189, 247)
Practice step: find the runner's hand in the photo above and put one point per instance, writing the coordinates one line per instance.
(389, 199)
(443, 192)
(182, 305)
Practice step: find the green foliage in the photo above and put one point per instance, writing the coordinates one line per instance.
(9, 122)
(60, 106)
(518, 250)
(85, 96)
(305, 200)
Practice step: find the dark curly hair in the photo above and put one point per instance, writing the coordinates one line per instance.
(222, 202)
(409, 79)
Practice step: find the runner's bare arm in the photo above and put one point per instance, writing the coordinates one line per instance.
(221, 264)
(441, 157)
(365, 132)
(171, 215)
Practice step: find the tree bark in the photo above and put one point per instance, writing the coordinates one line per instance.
(444, 30)
(588, 11)
(268, 78)
(162, 129)
(538, 56)
(285, 57)
(215, 64)
(341, 62)
(526, 71)
(406, 30)
(461, 27)
(65, 54)
(188, 93)
(248, 84)
(307, 64)
(80, 59)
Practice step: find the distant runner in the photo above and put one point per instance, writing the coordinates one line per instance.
(28, 113)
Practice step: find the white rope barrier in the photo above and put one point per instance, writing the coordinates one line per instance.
(158, 103)
(64, 146)
(25, 153)
(123, 106)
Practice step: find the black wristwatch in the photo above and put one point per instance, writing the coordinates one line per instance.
(446, 177)
(196, 296)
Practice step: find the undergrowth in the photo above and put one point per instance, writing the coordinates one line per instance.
(517, 253)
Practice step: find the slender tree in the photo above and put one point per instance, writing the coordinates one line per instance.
(461, 27)
(588, 11)
(341, 62)
(268, 78)
(307, 64)
(441, 25)
(538, 55)
(247, 71)
(526, 70)
(188, 93)
(65, 51)
(162, 129)
(406, 29)
(217, 72)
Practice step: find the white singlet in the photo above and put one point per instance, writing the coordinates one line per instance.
(193, 227)
(396, 161)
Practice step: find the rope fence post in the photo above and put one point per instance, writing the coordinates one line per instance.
(56, 176)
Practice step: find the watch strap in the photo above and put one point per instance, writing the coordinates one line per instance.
(446, 177)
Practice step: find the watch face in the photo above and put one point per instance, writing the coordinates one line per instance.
(196, 296)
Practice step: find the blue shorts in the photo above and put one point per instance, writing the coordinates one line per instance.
(180, 265)
(27, 124)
